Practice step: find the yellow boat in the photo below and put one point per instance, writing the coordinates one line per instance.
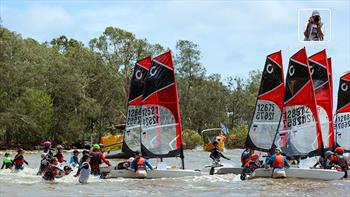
(113, 142)
(211, 135)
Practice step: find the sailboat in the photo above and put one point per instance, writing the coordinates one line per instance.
(157, 128)
(342, 119)
(131, 137)
(268, 109)
(321, 78)
(300, 133)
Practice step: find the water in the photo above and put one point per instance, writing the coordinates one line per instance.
(26, 183)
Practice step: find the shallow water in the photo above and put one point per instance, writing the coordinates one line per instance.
(26, 183)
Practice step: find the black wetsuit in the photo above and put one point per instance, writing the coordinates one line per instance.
(216, 155)
(43, 166)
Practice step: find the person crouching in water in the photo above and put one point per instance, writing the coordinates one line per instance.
(340, 162)
(215, 154)
(140, 164)
(250, 166)
(19, 160)
(74, 160)
(96, 159)
(7, 162)
(59, 154)
(125, 164)
(84, 169)
(52, 170)
(246, 155)
(278, 163)
(44, 163)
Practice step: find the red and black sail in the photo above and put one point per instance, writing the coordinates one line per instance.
(322, 83)
(300, 132)
(132, 132)
(268, 108)
(161, 123)
(343, 113)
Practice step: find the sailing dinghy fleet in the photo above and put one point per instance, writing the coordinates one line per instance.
(153, 125)
(297, 117)
(293, 114)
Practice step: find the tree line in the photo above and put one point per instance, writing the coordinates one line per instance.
(67, 92)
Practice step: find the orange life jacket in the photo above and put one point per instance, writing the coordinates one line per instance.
(279, 162)
(141, 164)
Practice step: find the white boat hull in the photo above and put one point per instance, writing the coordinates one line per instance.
(320, 174)
(151, 174)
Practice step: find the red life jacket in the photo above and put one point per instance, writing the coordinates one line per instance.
(279, 162)
(141, 164)
(60, 157)
(19, 160)
(95, 158)
(51, 172)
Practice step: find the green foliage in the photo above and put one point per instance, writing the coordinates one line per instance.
(66, 92)
(237, 136)
(191, 139)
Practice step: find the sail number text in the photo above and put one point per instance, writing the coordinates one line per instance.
(343, 121)
(150, 115)
(297, 116)
(265, 112)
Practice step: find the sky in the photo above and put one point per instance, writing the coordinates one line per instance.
(234, 36)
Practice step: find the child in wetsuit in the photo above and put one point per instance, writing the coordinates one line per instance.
(19, 160)
(44, 163)
(215, 154)
(7, 162)
(84, 169)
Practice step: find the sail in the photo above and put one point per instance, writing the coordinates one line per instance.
(161, 125)
(343, 113)
(132, 132)
(321, 79)
(300, 132)
(268, 108)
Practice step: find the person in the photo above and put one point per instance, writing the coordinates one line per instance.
(47, 149)
(52, 170)
(44, 163)
(7, 162)
(66, 171)
(215, 154)
(19, 160)
(139, 165)
(325, 162)
(245, 155)
(96, 159)
(84, 169)
(250, 166)
(314, 28)
(74, 161)
(59, 154)
(278, 162)
(339, 161)
(125, 164)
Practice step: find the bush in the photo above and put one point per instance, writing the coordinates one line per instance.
(237, 136)
(191, 139)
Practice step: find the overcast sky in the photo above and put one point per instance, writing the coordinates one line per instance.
(234, 36)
